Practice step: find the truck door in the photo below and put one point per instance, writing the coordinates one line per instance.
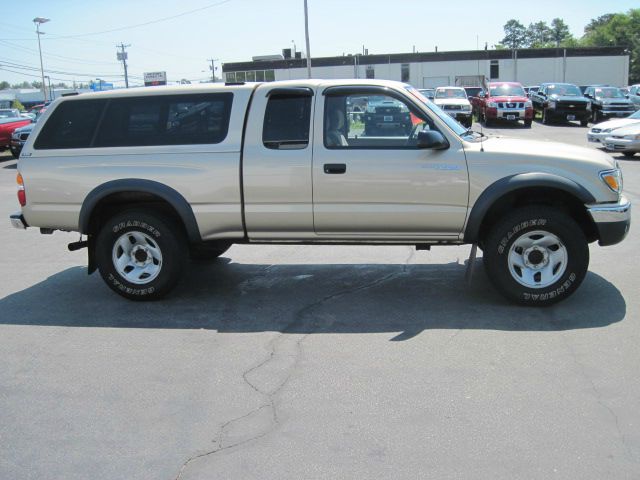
(276, 164)
(369, 177)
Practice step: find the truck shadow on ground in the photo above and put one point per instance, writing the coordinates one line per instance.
(231, 297)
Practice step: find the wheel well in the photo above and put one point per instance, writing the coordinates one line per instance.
(116, 202)
(539, 196)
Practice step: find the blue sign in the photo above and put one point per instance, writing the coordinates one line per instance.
(99, 86)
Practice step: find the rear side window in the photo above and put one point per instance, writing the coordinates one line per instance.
(71, 125)
(286, 122)
(166, 120)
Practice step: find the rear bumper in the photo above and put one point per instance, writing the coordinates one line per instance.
(18, 221)
(611, 220)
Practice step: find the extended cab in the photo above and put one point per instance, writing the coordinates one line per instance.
(504, 101)
(154, 175)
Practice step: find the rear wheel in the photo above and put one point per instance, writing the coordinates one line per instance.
(141, 255)
(536, 256)
(628, 154)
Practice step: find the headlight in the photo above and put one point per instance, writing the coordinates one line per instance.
(528, 104)
(588, 105)
(613, 179)
(632, 137)
(607, 130)
(492, 105)
(551, 104)
(466, 107)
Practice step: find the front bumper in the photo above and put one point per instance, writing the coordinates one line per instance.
(18, 221)
(458, 114)
(511, 114)
(568, 114)
(621, 144)
(616, 113)
(598, 137)
(612, 220)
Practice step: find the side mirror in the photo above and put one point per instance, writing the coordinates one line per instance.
(432, 140)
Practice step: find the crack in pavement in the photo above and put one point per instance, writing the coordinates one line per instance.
(284, 349)
(598, 397)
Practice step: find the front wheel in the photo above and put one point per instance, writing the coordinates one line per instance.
(140, 254)
(14, 152)
(527, 123)
(536, 256)
(584, 122)
(628, 154)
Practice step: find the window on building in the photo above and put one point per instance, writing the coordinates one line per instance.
(241, 76)
(260, 76)
(269, 76)
(494, 70)
(72, 125)
(404, 73)
(251, 76)
(286, 122)
(166, 120)
(231, 77)
(370, 72)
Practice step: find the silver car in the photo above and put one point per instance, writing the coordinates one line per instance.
(624, 140)
(598, 133)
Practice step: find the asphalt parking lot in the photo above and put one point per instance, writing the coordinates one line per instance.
(317, 363)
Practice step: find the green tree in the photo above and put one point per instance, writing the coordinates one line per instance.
(24, 84)
(559, 31)
(36, 84)
(538, 35)
(514, 34)
(4, 85)
(16, 104)
(619, 29)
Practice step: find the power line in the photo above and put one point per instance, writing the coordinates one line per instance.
(128, 27)
(62, 57)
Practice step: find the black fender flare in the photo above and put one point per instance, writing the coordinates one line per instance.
(517, 182)
(168, 194)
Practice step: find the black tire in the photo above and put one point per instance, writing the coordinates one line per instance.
(628, 154)
(545, 117)
(595, 117)
(527, 123)
(487, 121)
(163, 234)
(584, 123)
(15, 153)
(208, 251)
(517, 225)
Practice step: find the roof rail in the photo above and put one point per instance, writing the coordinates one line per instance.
(70, 94)
(233, 83)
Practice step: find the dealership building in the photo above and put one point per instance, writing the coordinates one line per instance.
(580, 66)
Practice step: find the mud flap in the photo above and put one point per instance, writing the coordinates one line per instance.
(471, 262)
(91, 253)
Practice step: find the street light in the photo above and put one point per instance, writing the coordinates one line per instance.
(39, 21)
(49, 82)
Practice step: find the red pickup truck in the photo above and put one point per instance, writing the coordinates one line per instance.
(503, 101)
(7, 126)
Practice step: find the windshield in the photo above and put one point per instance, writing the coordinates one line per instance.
(506, 90)
(610, 92)
(450, 121)
(564, 90)
(450, 93)
(4, 113)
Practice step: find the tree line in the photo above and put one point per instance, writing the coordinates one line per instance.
(36, 84)
(612, 29)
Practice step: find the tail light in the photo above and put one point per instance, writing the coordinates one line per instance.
(22, 196)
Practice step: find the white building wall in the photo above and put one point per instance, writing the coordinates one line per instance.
(613, 70)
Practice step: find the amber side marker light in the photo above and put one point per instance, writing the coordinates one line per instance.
(613, 179)
(22, 196)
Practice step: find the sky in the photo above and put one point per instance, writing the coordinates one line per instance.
(78, 44)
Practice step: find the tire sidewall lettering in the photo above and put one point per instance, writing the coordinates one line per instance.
(135, 224)
(534, 222)
(129, 290)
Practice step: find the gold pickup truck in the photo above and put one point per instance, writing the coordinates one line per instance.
(152, 176)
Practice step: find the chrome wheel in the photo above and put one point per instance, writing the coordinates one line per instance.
(537, 259)
(137, 257)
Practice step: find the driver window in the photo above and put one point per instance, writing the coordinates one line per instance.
(371, 121)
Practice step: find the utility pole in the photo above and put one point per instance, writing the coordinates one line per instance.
(306, 37)
(39, 21)
(122, 56)
(212, 67)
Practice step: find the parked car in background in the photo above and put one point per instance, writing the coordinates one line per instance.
(602, 130)
(19, 138)
(634, 95)
(625, 140)
(386, 116)
(561, 102)
(453, 100)
(9, 113)
(504, 101)
(428, 92)
(7, 126)
(531, 89)
(473, 91)
(608, 102)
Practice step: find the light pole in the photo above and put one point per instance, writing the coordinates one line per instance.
(38, 21)
(212, 67)
(306, 37)
(49, 82)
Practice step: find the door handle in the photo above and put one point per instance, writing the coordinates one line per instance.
(335, 168)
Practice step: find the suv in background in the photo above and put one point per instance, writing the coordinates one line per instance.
(453, 100)
(608, 102)
(385, 116)
(634, 95)
(504, 101)
(473, 92)
(561, 102)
